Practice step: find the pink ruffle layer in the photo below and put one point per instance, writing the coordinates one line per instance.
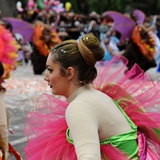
(136, 93)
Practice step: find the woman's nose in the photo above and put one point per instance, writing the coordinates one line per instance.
(46, 77)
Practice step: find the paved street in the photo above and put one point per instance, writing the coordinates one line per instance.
(23, 89)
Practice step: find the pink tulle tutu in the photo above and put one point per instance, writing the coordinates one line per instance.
(137, 95)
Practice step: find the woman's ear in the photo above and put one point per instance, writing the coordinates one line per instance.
(70, 73)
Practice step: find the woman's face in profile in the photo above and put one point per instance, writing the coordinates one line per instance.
(55, 80)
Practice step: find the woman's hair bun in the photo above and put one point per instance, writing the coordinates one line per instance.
(90, 49)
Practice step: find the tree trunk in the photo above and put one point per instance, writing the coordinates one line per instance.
(8, 8)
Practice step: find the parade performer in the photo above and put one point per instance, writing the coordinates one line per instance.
(107, 119)
(141, 48)
(44, 39)
(8, 56)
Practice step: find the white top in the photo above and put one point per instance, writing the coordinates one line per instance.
(93, 116)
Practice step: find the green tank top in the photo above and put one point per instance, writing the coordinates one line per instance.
(126, 142)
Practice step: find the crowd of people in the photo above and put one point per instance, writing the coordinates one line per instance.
(103, 116)
(52, 23)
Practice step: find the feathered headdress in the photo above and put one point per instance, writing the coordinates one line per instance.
(8, 51)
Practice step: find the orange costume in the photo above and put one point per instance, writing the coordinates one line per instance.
(146, 47)
(42, 47)
(38, 40)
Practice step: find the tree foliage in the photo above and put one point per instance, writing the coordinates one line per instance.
(149, 7)
(100, 6)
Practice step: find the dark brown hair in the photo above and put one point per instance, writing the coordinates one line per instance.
(2, 89)
(82, 55)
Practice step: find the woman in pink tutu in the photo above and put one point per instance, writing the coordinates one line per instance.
(104, 116)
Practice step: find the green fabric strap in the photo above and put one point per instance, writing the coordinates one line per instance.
(68, 136)
(126, 142)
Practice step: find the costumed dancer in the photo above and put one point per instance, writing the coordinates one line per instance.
(109, 119)
(44, 39)
(8, 56)
(141, 48)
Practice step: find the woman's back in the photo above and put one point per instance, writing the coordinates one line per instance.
(110, 120)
